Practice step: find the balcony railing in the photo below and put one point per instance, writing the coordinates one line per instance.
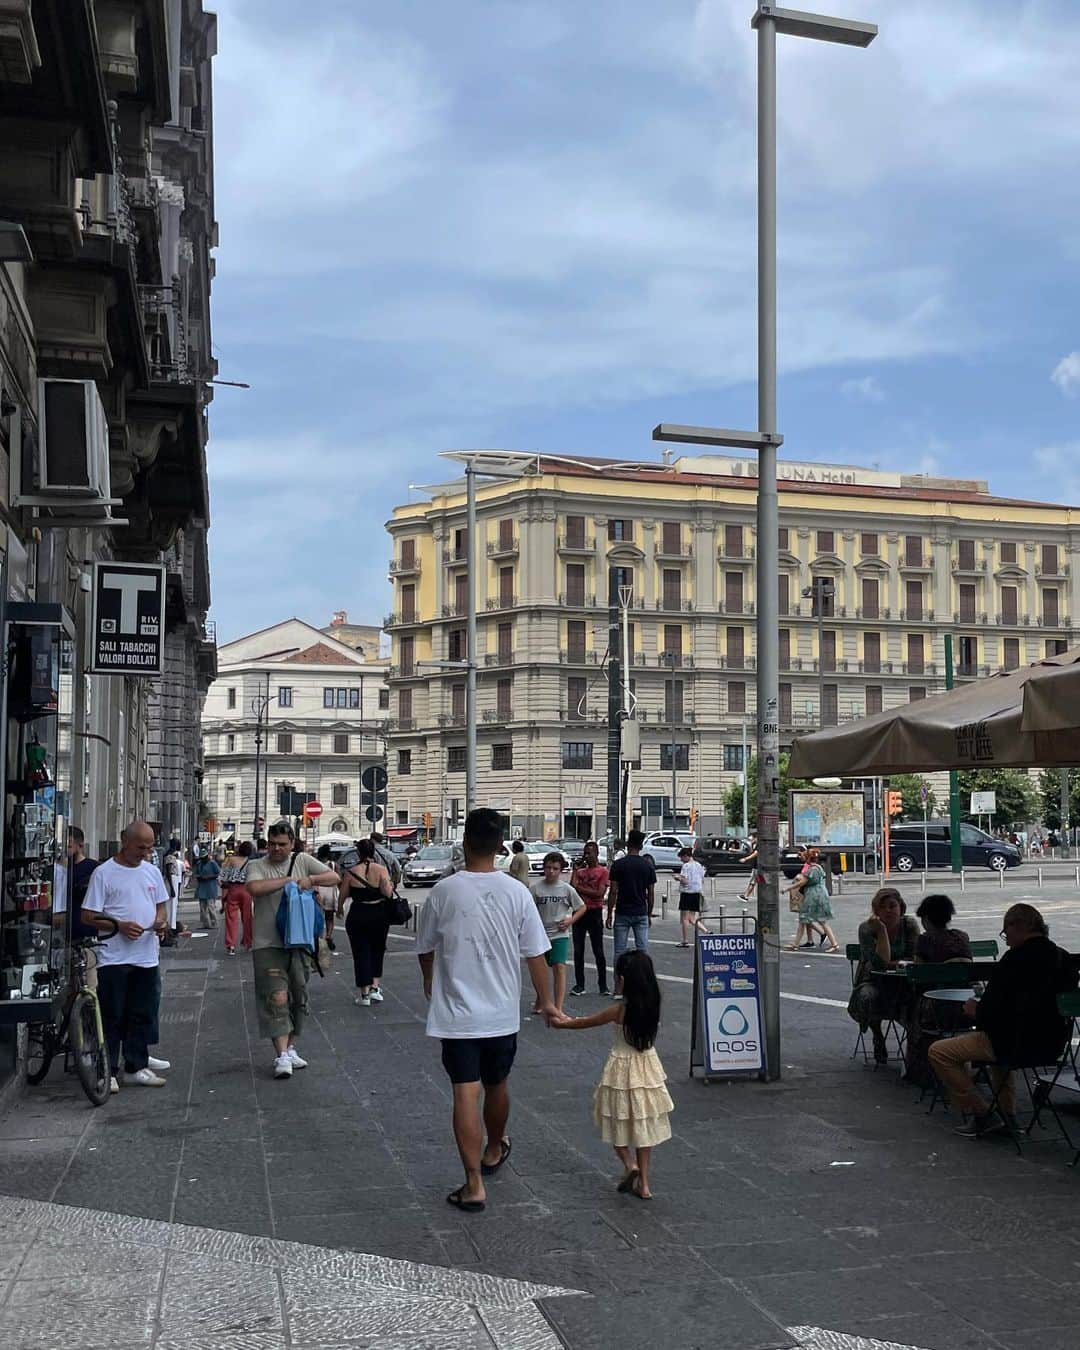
(451, 719)
(744, 662)
(916, 563)
(1012, 620)
(398, 620)
(500, 658)
(970, 616)
(573, 543)
(404, 566)
(458, 554)
(920, 615)
(400, 724)
(683, 553)
(671, 605)
(746, 555)
(976, 565)
(879, 612)
(582, 601)
(502, 602)
(165, 326)
(1060, 571)
(502, 547)
(1054, 621)
(454, 610)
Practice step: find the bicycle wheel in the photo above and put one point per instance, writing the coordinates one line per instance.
(89, 1049)
(41, 1047)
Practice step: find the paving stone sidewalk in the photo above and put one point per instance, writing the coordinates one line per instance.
(827, 1210)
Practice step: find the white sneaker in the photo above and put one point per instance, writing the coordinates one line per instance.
(376, 994)
(114, 1086)
(145, 1078)
(294, 1058)
(283, 1066)
(362, 1000)
(158, 1065)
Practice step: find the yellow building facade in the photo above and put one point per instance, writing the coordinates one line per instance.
(909, 558)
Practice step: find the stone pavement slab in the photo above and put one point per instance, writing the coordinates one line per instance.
(828, 1209)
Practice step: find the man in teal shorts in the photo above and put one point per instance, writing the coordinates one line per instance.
(560, 908)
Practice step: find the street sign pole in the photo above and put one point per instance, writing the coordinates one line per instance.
(955, 855)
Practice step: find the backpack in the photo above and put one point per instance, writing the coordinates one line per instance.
(300, 921)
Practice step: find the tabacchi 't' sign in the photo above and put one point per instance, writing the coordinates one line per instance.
(129, 619)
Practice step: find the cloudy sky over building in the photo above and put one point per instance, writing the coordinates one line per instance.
(532, 225)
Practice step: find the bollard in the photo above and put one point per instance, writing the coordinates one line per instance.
(963, 880)
(924, 879)
(1078, 876)
(1040, 878)
(744, 919)
(664, 900)
(1001, 878)
(720, 913)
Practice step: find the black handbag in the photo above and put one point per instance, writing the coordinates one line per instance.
(398, 909)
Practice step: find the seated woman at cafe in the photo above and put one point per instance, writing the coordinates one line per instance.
(886, 938)
(938, 942)
(936, 945)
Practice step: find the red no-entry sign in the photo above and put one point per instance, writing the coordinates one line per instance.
(313, 810)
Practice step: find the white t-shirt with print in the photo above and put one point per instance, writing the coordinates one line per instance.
(480, 926)
(691, 878)
(127, 893)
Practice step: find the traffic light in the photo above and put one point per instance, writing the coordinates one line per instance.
(427, 820)
(822, 596)
(693, 817)
(894, 803)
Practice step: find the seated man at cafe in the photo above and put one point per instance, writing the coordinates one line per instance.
(1016, 1022)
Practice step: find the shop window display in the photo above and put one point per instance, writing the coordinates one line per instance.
(35, 748)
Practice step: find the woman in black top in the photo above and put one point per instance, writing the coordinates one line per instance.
(369, 885)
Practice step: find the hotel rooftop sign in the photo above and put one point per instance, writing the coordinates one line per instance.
(789, 471)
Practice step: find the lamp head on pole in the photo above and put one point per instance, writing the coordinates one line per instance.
(821, 27)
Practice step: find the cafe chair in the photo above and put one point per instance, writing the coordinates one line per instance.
(1042, 1088)
(1031, 1073)
(945, 975)
(853, 952)
(984, 950)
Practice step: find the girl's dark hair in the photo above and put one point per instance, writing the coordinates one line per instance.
(641, 998)
(365, 850)
(937, 910)
(243, 848)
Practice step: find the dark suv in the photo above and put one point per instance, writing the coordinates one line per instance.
(977, 848)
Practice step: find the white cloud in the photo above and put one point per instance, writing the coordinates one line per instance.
(1066, 374)
(1059, 467)
(867, 388)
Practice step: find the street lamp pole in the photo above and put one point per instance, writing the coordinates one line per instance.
(259, 704)
(769, 20)
(470, 637)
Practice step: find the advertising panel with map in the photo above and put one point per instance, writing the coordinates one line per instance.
(834, 820)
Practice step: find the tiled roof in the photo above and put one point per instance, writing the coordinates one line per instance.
(319, 655)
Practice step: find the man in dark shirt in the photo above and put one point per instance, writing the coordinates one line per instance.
(630, 896)
(1016, 1020)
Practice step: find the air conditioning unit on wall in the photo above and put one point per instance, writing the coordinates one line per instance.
(73, 441)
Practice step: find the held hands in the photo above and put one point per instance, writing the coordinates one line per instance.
(561, 1021)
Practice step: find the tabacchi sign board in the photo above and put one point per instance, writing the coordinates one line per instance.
(129, 619)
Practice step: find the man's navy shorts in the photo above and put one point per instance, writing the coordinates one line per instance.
(486, 1060)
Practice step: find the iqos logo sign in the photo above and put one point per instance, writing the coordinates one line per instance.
(733, 1021)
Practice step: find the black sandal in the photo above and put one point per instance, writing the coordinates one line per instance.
(457, 1199)
(627, 1183)
(489, 1169)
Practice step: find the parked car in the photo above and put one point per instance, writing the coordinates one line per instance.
(573, 848)
(538, 849)
(718, 856)
(664, 848)
(431, 864)
(977, 848)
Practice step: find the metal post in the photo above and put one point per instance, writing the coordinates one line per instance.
(956, 856)
(470, 637)
(819, 603)
(768, 566)
(625, 596)
(1066, 834)
(615, 698)
(674, 745)
(745, 787)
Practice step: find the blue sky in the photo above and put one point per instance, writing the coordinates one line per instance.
(531, 224)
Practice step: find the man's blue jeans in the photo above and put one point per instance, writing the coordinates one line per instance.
(625, 924)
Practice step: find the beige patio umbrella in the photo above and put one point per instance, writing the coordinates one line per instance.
(1052, 703)
(975, 726)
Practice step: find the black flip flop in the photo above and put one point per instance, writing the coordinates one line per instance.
(627, 1183)
(457, 1199)
(489, 1169)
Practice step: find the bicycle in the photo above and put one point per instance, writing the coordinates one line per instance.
(78, 1031)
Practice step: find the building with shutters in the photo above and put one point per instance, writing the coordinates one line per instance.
(910, 558)
(291, 707)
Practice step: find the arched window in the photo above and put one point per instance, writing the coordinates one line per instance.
(340, 825)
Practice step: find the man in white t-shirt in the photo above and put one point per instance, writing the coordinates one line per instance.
(474, 930)
(129, 890)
